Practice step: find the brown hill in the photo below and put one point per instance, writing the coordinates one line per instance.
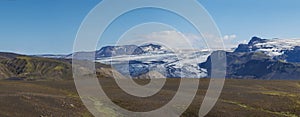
(22, 67)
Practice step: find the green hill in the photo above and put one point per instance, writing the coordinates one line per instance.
(33, 68)
(22, 67)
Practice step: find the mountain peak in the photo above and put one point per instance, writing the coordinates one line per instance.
(151, 44)
(151, 47)
(255, 40)
(251, 45)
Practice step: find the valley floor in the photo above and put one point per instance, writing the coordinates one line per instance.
(249, 98)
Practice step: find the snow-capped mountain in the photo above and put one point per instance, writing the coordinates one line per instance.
(282, 49)
(179, 64)
(263, 59)
(152, 49)
(116, 51)
(171, 65)
(110, 51)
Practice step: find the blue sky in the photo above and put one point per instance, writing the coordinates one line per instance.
(50, 26)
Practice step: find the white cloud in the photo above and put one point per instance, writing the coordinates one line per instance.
(243, 42)
(231, 41)
(229, 37)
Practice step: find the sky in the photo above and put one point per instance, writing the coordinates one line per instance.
(50, 26)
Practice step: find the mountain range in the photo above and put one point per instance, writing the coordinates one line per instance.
(155, 60)
(258, 59)
(148, 60)
(263, 59)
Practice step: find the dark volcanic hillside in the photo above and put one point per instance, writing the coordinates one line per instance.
(257, 65)
(263, 59)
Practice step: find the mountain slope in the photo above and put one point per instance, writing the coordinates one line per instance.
(21, 67)
(110, 51)
(32, 68)
(257, 65)
(114, 51)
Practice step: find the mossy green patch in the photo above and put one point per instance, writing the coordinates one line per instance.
(239, 104)
(29, 65)
(286, 114)
(59, 68)
(277, 93)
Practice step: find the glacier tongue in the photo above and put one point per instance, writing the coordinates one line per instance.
(179, 64)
